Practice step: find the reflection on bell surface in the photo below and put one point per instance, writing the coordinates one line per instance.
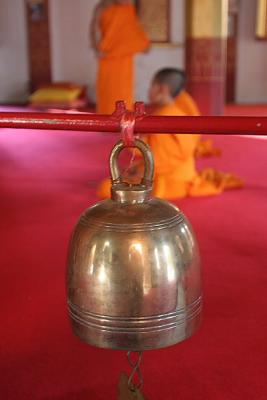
(133, 279)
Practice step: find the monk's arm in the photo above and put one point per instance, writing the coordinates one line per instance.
(205, 148)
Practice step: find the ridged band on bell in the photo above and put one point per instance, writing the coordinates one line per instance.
(134, 278)
(144, 226)
(174, 327)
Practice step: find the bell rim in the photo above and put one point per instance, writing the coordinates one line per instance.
(156, 345)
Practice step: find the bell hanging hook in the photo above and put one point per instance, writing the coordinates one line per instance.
(128, 119)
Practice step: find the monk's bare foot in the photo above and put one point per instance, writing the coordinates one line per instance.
(222, 180)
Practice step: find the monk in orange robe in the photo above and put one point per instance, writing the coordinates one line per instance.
(176, 175)
(117, 36)
(187, 104)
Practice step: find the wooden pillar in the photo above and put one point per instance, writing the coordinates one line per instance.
(38, 42)
(232, 43)
(206, 38)
(261, 20)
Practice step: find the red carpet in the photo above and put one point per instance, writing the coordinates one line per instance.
(46, 180)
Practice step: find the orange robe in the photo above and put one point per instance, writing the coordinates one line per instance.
(185, 102)
(174, 155)
(122, 36)
(176, 175)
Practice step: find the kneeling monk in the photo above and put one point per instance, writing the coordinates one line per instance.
(176, 175)
(117, 35)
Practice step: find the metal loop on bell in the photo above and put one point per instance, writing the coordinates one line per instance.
(148, 160)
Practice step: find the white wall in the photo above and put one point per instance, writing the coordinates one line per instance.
(252, 58)
(159, 57)
(14, 75)
(72, 58)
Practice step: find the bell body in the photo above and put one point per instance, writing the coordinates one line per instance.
(133, 279)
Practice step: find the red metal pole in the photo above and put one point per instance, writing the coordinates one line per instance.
(147, 124)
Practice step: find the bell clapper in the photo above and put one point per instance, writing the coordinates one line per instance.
(124, 393)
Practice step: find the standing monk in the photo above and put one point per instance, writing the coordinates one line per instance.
(117, 36)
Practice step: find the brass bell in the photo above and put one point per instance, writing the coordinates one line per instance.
(133, 279)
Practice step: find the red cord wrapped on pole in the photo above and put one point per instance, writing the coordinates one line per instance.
(146, 124)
